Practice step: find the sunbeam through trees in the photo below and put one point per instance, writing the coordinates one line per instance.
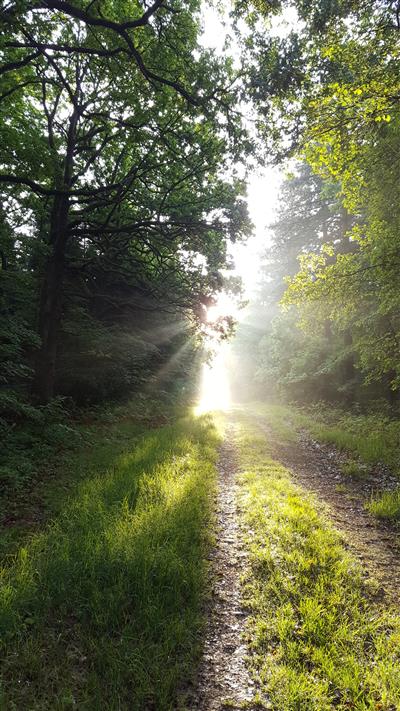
(199, 355)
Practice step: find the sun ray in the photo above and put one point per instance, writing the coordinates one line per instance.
(214, 389)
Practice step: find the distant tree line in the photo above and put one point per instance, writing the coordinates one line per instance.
(330, 295)
(122, 177)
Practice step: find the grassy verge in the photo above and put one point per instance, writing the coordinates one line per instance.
(42, 462)
(319, 640)
(374, 438)
(102, 609)
(386, 506)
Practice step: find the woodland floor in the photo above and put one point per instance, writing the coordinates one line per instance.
(177, 460)
(224, 680)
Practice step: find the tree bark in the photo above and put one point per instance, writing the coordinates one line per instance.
(52, 288)
(51, 301)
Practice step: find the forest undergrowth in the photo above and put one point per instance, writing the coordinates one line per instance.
(44, 457)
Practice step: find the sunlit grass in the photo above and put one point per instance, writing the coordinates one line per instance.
(318, 639)
(386, 505)
(372, 438)
(103, 609)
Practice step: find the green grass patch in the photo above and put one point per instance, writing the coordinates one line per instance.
(102, 610)
(57, 453)
(373, 438)
(319, 640)
(386, 505)
(354, 469)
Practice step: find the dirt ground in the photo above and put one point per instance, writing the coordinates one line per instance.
(223, 679)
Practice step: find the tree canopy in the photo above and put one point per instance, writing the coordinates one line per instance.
(119, 176)
(122, 175)
(329, 95)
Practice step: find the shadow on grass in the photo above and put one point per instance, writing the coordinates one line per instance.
(103, 610)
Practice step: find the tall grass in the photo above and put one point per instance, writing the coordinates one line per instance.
(386, 506)
(374, 438)
(103, 610)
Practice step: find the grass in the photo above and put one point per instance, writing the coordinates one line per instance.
(373, 438)
(386, 505)
(354, 469)
(102, 609)
(43, 462)
(319, 639)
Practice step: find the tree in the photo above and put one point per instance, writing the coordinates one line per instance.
(330, 92)
(306, 360)
(120, 129)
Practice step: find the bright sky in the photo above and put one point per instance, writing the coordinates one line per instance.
(262, 197)
(262, 186)
(262, 191)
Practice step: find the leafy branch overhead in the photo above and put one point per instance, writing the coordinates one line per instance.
(328, 94)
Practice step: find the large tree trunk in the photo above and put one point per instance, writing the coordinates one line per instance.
(52, 287)
(51, 301)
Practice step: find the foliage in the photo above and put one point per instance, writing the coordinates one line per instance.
(336, 336)
(120, 164)
(306, 367)
(327, 92)
(44, 430)
(303, 359)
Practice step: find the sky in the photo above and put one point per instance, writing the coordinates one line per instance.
(262, 186)
(262, 199)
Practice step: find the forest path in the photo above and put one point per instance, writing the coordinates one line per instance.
(317, 468)
(223, 679)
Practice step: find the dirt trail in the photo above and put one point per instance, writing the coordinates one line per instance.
(223, 675)
(316, 467)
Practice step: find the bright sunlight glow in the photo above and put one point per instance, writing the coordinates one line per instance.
(214, 388)
(262, 191)
(225, 305)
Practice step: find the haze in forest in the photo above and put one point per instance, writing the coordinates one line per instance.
(199, 355)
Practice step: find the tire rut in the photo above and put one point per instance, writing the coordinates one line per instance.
(223, 680)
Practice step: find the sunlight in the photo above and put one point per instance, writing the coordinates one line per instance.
(214, 389)
(225, 305)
